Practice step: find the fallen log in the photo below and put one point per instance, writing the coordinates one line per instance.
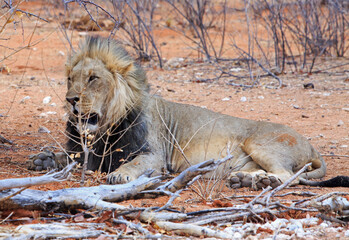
(97, 197)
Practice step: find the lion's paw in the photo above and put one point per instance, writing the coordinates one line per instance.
(263, 181)
(42, 161)
(118, 177)
(253, 180)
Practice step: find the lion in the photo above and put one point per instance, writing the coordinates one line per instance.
(129, 130)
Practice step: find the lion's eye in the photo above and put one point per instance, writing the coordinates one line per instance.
(92, 77)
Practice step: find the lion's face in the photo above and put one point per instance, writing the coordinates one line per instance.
(92, 91)
(104, 84)
(89, 87)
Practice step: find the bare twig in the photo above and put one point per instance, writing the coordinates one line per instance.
(32, 181)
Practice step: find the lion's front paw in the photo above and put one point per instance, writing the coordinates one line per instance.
(42, 161)
(119, 177)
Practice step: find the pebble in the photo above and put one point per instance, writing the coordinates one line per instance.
(346, 233)
(226, 99)
(260, 97)
(235, 69)
(345, 109)
(43, 130)
(237, 235)
(51, 113)
(24, 99)
(340, 123)
(47, 100)
(61, 53)
(243, 99)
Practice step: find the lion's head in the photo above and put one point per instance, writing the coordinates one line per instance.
(104, 84)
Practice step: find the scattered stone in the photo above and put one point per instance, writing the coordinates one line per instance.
(47, 100)
(225, 99)
(308, 86)
(260, 97)
(32, 78)
(53, 104)
(175, 63)
(235, 69)
(340, 123)
(61, 53)
(43, 130)
(243, 99)
(24, 99)
(345, 109)
(344, 146)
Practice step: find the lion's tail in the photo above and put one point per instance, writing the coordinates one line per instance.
(319, 168)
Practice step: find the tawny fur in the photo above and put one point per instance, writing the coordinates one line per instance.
(169, 137)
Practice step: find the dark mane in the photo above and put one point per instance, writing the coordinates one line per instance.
(127, 140)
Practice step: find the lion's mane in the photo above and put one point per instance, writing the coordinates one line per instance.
(124, 125)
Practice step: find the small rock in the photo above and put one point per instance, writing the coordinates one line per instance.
(340, 123)
(24, 99)
(344, 146)
(235, 69)
(243, 99)
(53, 104)
(175, 63)
(43, 130)
(326, 94)
(346, 233)
(42, 115)
(237, 235)
(308, 85)
(260, 97)
(46, 100)
(51, 113)
(61, 53)
(225, 99)
(345, 109)
(32, 78)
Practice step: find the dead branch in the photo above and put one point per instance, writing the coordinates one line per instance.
(138, 227)
(193, 230)
(266, 199)
(98, 197)
(58, 230)
(186, 177)
(50, 177)
(4, 140)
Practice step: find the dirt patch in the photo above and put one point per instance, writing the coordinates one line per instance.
(321, 114)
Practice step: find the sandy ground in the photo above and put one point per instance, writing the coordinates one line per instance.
(321, 114)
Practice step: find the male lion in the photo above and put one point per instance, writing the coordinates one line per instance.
(130, 131)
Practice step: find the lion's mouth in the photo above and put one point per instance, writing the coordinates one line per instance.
(91, 118)
(89, 121)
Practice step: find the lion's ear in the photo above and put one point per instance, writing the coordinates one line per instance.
(68, 69)
(122, 70)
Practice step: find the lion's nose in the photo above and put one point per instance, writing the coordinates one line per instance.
(72, 100)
